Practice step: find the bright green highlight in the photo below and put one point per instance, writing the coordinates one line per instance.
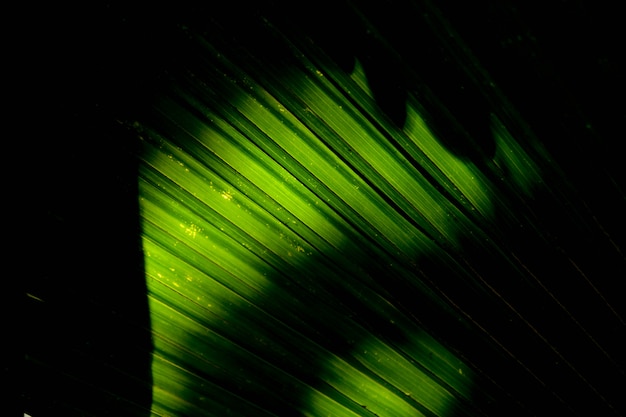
(520, 168)
(467, 178)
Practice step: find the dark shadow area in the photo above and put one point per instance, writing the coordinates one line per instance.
(562, 66)
(86, 328)
(87, 325)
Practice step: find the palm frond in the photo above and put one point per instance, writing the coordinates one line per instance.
(319, 242)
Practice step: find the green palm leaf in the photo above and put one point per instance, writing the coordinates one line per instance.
(318, 242)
